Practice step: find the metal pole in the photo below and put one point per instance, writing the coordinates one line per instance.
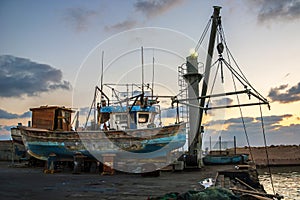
(95, 110)
(127, 107)
(13, 153)
(102, 64)
(215, 22)
(152, 77)
(220, 145)
(142, 52)
(209, 143)
(234, 143)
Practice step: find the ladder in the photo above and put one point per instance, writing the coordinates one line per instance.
(183, 110)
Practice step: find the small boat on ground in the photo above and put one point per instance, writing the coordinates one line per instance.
(225, 159)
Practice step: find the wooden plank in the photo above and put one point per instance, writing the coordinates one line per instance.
(257, 193)
(43, 118)
(242, 182)
(222, 180)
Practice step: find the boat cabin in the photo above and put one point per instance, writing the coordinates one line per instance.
(118, 118)
(52, 118)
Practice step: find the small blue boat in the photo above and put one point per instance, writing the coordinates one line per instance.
(225, 159)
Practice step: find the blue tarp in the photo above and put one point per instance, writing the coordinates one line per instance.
(111, 109)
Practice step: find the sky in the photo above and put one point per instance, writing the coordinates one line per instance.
(50, 54)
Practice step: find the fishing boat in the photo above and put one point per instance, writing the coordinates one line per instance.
(124, 126)
(119, 130)
(45, 135)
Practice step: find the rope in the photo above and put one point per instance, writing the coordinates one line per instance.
(235, 74)
(243, 121)
(266, 148)
(241, 72)
(203, 35)
(214, 81)
(244, 81)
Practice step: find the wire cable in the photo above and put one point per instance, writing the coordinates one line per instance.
(266, 148)
(243, 121)
(203, 35)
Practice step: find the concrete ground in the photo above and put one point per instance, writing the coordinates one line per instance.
(31, 183)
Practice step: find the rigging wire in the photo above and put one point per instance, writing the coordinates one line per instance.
(234, 74)
(228, 64)
(235, 62)
(243, 77)
(153, 60)
(203, 35)
(243, 121)
(214, 81)
(266, 148)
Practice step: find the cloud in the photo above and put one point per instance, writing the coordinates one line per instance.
(5, 128)
(153, 8)
(5, 132)
(273, 120)
(222, 102)
(277, 9)
(283, 94)
(121, 26)
(79, 17)
(270, 120)
(148, 9)
(238, 120)
(84, 111)
(169, 113)
(276, 133)
(230, 121)
(20, 76)
(6, 115)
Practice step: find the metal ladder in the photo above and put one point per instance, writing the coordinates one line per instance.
(183, 110)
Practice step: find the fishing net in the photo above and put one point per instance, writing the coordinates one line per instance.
(213, 193)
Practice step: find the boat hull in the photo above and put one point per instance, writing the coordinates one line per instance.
(40, 143)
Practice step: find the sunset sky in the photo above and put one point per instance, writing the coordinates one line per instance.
(46, 48)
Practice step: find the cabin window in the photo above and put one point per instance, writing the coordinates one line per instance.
(121, 118)
(143, 118)
(67, 117)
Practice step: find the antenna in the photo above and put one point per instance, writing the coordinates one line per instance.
(153, 75)
(102, 64)
(142, 51)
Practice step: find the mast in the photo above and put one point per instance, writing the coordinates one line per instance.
(102, 64)
(127, 106)
(220, 145)
(142, 52)
(193, 78)
(152, 77)
(216, 19)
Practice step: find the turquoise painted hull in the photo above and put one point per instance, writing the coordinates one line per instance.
(41, 143)
(42, 150)
(224, 159)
